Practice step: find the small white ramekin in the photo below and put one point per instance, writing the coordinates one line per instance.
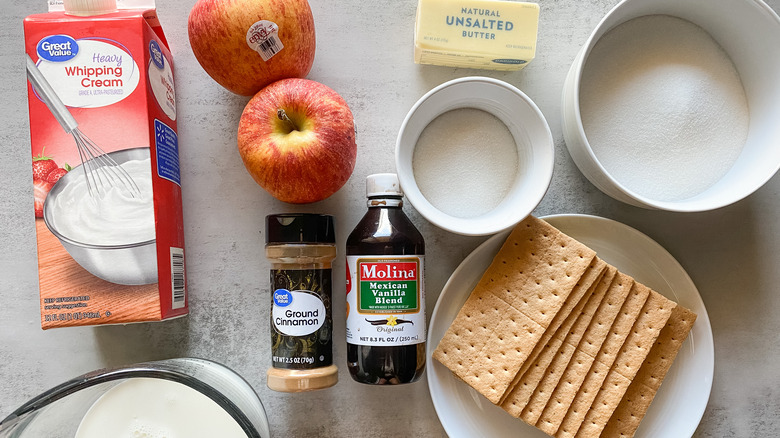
(535, 149)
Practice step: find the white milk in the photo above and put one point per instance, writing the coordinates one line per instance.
(115, 218)
(156, 408)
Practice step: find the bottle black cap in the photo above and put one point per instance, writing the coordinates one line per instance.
(299, 228)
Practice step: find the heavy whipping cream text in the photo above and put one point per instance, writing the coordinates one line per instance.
(96, 76)
(161, 80)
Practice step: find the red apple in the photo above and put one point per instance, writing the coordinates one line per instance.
(245, 45)
(297, 140)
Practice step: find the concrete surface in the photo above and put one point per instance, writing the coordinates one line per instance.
(364, 51)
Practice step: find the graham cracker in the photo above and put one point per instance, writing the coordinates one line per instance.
(539, 395)
(642, 390)
(632, 408)
(563, 396)
(578, 331)
(666, 347)
(559, 338)
(517, 398)
(604, 359)
(609, 396)
(581, 289)
(606, 314)
(624, 322)
(653, 317)
(571, 340)
(475, 323)
(583, 400)
(577, 369)
(533, 273)
(497, 364)
(536, 269)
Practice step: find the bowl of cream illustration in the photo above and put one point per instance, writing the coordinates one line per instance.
(112, 235)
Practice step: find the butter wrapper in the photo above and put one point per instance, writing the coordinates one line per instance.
(483, 34)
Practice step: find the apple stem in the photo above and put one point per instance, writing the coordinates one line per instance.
(283, 116)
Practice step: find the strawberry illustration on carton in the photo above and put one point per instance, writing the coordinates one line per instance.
(46, 173)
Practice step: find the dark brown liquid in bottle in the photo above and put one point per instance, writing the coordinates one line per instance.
(385, 230)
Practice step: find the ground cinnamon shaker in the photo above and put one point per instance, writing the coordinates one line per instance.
(301, 247)
(385, 290)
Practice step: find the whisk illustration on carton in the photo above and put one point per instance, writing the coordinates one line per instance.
(100, 170)
(109, 229)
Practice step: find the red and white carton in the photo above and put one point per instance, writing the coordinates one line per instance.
(102, 108)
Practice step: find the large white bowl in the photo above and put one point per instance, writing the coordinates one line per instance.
(535, 150)
(748, 30)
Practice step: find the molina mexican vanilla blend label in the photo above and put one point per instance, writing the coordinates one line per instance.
(387, 307)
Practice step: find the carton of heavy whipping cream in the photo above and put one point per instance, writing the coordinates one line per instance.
(485, 34)
(105, 161)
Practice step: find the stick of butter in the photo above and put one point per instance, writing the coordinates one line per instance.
(487, 34)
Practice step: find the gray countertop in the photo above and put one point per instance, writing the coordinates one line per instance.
(364, 52)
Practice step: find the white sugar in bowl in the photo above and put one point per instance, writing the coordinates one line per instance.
(474, 156)
(713, 170)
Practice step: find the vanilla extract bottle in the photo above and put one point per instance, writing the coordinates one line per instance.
(385, 290)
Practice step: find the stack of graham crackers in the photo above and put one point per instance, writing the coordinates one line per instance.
(562, 340)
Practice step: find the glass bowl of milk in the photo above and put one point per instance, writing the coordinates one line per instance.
(182, 397)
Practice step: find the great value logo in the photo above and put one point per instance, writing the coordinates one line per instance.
(282, 297)
(57, 48)
(156, 54)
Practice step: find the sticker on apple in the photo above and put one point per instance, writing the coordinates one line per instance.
(263, 38)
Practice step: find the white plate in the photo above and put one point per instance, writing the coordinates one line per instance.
(680, 403)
